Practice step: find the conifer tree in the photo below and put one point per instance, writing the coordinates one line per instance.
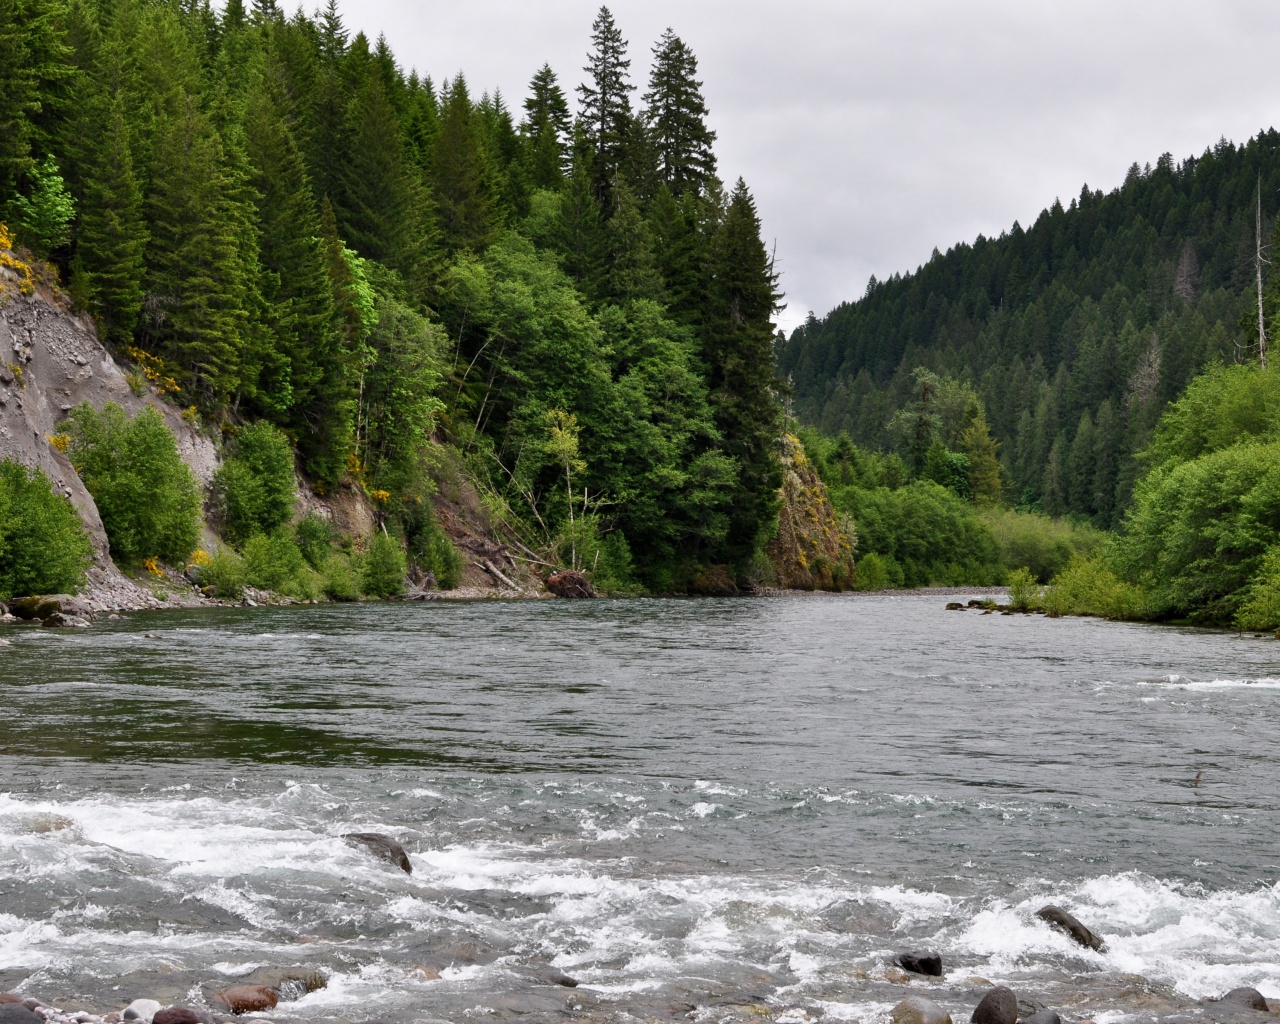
(547, 130)
(738, 349)
(464, 204)
(110, 249)
(983, 451)
(606, 101)
(632, 271)
(676, 114)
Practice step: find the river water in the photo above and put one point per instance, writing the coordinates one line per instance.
(701, 810)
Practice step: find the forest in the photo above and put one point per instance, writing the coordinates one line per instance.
(1087, 398)
(280, 227)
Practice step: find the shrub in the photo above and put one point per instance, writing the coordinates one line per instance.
(226, 572)
(315, 536)
(340, 581)
(384, 567)
(1261, 608)
(254, 489)
(1024, 590)
(878, 572)
(275, 563)
(1039, 543)
(435, 553)
(1089, 586)
(43, 545)
(148, 499)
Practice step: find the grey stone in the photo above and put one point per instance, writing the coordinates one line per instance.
(383, 847)
(1249, 997)
(919, 1010)
(999, 1006)
(1058, 918)
(142, 1009)
(12, 1013)
(1043, 1017)
(929, 964)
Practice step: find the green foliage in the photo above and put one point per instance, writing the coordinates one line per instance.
(274, 562)
(433, 552)
(383, 568)
(1089, 586)
(44, 216)
(43, 545)
(254, 489)
(1043, 545)
(1024, 590)
(147, 497)
(226, 573)
(879, 572)
(315, 536)
(340, 580)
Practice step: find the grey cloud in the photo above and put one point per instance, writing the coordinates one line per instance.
(872, 132)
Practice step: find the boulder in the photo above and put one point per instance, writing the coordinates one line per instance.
(1043, 1017)
(13, 1013)
(999, 1006)
(919, 1010)
(1249, 997)
(61, 620)
(245, 999)
(955, 606)
(570, 583)
(45, 606)
(1064, 922)
(287, 982)
(141, 1009)
(182, 1015)
(921, 963)
(383, 847)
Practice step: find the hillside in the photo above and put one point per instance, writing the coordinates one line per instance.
(1074, 333)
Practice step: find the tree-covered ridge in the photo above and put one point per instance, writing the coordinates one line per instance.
(278, 222)
(1074, 333)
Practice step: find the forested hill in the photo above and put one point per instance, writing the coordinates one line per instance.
(1074, 333)
(273, 220)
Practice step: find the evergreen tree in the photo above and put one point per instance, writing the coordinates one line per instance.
(676, 115)
(111, 246)
(738, 349)
(547, 131)
(606, 101)
(460, 177)
(632, 270)
(983, 451)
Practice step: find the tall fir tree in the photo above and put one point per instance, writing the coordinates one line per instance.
(605, 101)
(738, 350)
(676, 115)
(547, 130)
(112, 237)
(460, 177)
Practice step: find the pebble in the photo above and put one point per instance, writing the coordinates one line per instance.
(142, 1009)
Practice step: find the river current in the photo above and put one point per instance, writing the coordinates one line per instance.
(701, 810)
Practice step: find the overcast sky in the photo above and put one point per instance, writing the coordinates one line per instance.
(871, 132)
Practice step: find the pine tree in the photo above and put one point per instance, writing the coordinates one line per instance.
(738, 350)
(606, 101)
(983, 451)
(195, 314)
(547, 130)
(112, 237)
(632, 272)
(676, 113)
(460, 177)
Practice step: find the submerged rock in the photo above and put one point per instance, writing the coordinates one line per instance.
(999, 1006)
(288, 982)
(1043, 1017)
(245, 999)
(383, 847)
(929, 964)
(1064, 922)
(1249, 997)
(570, 583)
(919, 1010)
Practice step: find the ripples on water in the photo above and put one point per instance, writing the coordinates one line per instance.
(702, 807)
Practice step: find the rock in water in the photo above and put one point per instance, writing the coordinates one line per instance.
(142, 1009)
(921, 963)
(13, 1013)
(1043, 1017)
(382, 846)
(246, 999)
(288, 982)
(999, 1006)
(181, 1015)
(1064, 922)
(918, 1010)
(1249, 997)
(570, 583)
(46, 606)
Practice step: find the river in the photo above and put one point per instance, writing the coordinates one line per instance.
(701, 810)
